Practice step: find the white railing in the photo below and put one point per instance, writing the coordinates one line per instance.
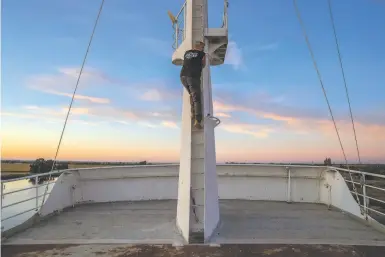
(179, 27)
(225, 171)
(367, 190)
(35, 198)
(225, 17)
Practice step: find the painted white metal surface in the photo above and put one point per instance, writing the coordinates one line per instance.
(306, 184)
(256, 182)
(191, 179)
(309, 184)
(198, 158)
(337, 194)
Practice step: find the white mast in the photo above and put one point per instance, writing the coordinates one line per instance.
(198, 207)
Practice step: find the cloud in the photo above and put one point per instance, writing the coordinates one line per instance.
(89, 74)
(234, 55)
(151, 95)
(156, 90)
(260, 100)
(53, 117)
(249, 129)
(92, 99)
(222, 115)
(98, 114)
(169, 124)
(297, 124)
(249, 100)
(302, 133)
(63, 83)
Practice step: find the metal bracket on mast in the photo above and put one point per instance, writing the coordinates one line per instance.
(215, 119)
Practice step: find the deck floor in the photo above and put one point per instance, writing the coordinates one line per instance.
(121, 222)
(282, 223)
(246, 222)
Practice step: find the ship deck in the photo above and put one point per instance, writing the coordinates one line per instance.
(153, 222)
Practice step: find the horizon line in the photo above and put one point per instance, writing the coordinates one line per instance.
(177, 162)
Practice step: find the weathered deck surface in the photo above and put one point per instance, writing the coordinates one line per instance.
(111, 229)
(122, 222)
(193, 251)
(296, 223)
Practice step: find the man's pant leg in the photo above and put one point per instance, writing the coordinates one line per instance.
(195, 90)
(186, 85)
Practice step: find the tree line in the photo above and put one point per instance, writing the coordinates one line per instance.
(41, 165)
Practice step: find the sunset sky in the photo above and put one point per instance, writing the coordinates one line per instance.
(128, 106)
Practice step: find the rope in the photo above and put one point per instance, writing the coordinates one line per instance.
(73, 97)
(343, 76)
(324, 91)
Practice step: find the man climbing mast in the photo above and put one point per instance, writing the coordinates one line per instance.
(193, 62)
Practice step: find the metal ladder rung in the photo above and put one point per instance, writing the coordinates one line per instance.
(197, 205)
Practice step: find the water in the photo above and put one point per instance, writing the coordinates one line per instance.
(20, 196)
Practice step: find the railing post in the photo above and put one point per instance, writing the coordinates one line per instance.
(176, 34)
(73, 187)
(184, 20)
(2, 193)
(288, 184)
(363, 184)
(2, 197)
(330, 197)
(37, 192)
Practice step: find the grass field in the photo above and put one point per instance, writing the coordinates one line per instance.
(24, 167)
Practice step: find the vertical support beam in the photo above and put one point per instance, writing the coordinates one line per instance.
(2, 198)
(198, 204)
(176, 35)
(190, 170)
(212, 216)
(184, 184)
(37, 193)
(363, 184)
(288, 184)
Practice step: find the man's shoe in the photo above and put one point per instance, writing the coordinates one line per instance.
(197, 124)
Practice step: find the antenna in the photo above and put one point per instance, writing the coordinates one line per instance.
(172, 17)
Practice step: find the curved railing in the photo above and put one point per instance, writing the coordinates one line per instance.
(371, 191)
(38, 181)
(276, 182)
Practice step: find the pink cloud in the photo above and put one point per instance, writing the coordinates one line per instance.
(371, 137)
(64, 83)
(169, 124)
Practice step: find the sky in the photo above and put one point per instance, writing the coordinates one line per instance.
(129, 101)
